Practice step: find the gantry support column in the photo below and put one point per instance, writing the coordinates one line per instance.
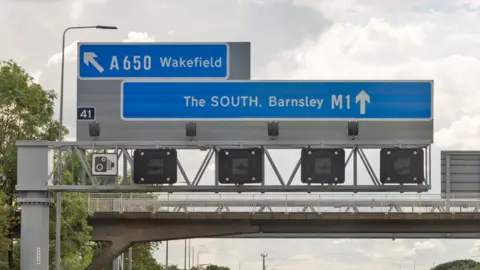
(33, 166)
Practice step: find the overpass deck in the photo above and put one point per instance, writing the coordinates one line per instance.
(143, 226)
(124, 219)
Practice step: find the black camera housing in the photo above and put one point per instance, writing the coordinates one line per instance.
(155, 166)
(240, 166)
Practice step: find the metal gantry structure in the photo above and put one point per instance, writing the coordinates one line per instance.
(90, 183)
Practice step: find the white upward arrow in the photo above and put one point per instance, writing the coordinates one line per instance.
(89, 58)
(363, 98)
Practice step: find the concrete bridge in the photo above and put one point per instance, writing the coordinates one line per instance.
(125, 219)
(125, 229)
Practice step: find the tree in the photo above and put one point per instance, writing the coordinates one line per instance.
(26, 113)
(211, 267)
(216, 267)
(143, 257)
(459, 265)
(4, 231)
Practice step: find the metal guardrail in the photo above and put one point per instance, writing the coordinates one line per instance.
(288, 203)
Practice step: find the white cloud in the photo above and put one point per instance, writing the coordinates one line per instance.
(77, 8)
(462, 134)
(342, 241)
(139, 37)
(472, 3)
(36, 75)
(475, 249)
(70, 55)
(427, 245)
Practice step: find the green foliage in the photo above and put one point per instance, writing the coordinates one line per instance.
(459, 265)
(216, 267)
(77, 253)
(4, 230)
(142, 258)
(26, 113)
(211, 267)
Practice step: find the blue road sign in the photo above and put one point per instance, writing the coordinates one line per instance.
(279, 100)
(152, 60)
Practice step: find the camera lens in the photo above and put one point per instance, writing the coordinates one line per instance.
(99, 167)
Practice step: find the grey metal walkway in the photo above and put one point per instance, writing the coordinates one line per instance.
(288, 203)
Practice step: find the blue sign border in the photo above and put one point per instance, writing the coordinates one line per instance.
(431, 82)
(79, 62)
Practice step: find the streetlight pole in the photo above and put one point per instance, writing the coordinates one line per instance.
(189, 257)
(198, 257)
(193, 255)
(58, 222)
(166, 255)
(185, 255)
(413, 261)
(264, 255)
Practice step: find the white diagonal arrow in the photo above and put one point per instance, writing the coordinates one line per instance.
(89, 58)
(363, 98)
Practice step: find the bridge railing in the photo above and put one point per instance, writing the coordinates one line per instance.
(420, 203)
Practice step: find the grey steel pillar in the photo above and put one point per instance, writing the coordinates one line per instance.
(34, 164)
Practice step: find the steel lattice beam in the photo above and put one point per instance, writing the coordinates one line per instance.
(282, 183)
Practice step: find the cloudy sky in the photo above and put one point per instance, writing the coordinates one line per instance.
(291, 39)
